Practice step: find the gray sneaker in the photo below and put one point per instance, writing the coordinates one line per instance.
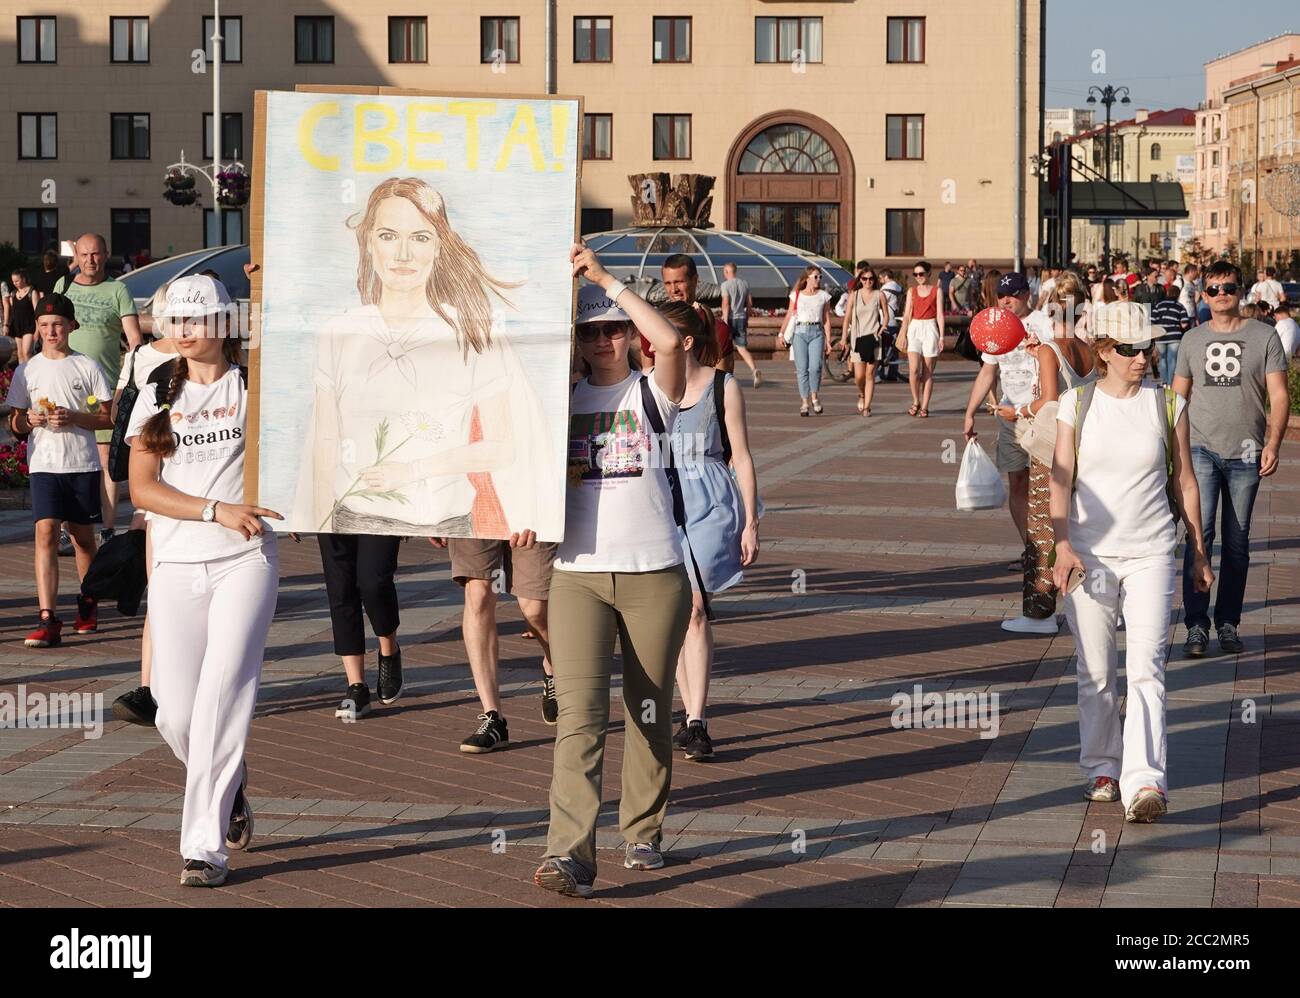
(564, 876)
(1197, 638)
(200, 874)
(1147, 806)
(65, 544)
(1228, 639)
(642, 856)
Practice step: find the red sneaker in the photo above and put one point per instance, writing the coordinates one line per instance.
(47, 634)
(87, 616)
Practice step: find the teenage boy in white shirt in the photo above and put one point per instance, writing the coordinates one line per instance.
(61, 398)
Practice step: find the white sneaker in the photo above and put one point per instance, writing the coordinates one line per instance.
(1028, 625)
(1147, 806)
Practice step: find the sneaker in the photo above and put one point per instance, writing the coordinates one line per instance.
(550, 705)
(200, 874)
(564, 876)
(389, 684)
(1030, 625)
(490, 735)
(87, 621)
(679, 736)
(642, 856)
(136, 707)
(239, 832)
(1147, 806)
(1197, 638)
(48, 633)
(356, 704)
(65, 544)
(105, 535)
(1103, 788)
(1228, 639)
(698, 745)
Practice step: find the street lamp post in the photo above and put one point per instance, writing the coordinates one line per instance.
(1107, 95)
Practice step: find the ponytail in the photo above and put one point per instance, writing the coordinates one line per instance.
(156, 435)
(688, 322)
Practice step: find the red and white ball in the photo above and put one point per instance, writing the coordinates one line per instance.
(996, 331)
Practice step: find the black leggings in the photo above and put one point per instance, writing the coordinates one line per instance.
(359, 573)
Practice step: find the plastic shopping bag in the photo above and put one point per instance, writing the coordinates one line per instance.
(979, 484)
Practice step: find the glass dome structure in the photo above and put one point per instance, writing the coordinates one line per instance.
(635, 255)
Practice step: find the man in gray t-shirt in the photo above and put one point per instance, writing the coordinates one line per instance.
(1232, 371)
(736, 303)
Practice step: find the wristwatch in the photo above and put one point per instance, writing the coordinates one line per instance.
(210, 512)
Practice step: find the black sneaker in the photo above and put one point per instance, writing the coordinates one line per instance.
(550, 706)
(490, 735)
(680, 735)
(389, 685)
(239, 832)
(356, 704)
(1228, 639)
(699, 745)
(136, 707)
(1197, 638)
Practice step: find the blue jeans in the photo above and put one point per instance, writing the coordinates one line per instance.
(1168, 353)
(809, 349)
(1237, 482)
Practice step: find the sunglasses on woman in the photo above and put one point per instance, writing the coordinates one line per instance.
(591, 333)
(919, 273)
(1214, 290)
(1129, 350)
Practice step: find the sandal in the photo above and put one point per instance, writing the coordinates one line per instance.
(803, 409)
(817, 408)
(862, 403)
(923, 413)
(914, 409)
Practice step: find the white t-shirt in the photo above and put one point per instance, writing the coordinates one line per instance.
(1120, 508)
(1040, 324)
(1018, 372)
(68, 382)
(147, 360)
(893, 293)
(810, 306)
(619, 510)
(209, 423)
(1288, 331)
(1268, 291)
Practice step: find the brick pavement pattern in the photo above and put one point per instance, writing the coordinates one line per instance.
(869, 584)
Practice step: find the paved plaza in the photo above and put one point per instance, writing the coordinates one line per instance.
(870, 583)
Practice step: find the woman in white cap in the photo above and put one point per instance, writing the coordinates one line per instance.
(619, 578)
(213, 588)
(1122, 463)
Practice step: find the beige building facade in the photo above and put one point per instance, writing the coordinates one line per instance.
(858, 128)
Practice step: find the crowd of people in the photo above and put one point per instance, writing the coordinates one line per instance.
(658, 377)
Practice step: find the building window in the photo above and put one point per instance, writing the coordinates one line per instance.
(812, 227)
(232, 135)
(130, 38)
(1214, 158)
(232, 39)
(36, 39)
(313, 39)
(905, 232)
(1155, 151)
(500, 39)
(788, 149)
(1214, 220)
(232, 227)
(38, 136)
(407, 39)
(597, 136)
(672, 136)
(129, 136)
(906, 41)
(38, 230)
(597, 220)
(787, 39)
(904, 136)
(131, 232)
(672, 39)
(593, 39)
(1096, 157)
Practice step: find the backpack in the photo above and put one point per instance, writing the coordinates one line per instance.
(1083, 401)
(720, 411)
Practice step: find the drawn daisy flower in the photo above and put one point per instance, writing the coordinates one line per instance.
(422, 426)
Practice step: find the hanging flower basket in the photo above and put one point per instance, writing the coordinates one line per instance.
(182, 198)
(176, 180)
(179, 188)
(232, 188)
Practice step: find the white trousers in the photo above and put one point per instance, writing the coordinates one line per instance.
(1144, 589)
(209, 622)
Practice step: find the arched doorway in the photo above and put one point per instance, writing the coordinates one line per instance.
(790, 178)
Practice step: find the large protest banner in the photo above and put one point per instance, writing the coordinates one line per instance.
(409, 369)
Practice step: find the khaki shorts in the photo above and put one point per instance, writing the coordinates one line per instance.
(527, 570)
(1010, 456)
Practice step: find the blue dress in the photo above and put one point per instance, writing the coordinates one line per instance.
(714, 511)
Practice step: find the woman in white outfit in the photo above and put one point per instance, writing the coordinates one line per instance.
(212, 591)
(1114, 525)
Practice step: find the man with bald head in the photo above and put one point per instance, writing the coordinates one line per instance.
(105, 310)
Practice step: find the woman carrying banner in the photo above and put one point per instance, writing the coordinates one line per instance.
(212, 591)
(619, 578)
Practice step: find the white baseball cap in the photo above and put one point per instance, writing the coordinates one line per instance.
(596, 306)
(194, 295)
(1124, 322)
